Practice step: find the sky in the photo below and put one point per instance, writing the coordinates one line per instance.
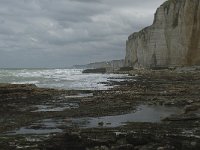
(62, 33)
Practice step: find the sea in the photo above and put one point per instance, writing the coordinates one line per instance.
(70, 79)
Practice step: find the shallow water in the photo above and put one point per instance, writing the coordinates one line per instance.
(46, 126)
(61, 105)
(25, 130)
(80, 95)
(51, 108)
(144, 113)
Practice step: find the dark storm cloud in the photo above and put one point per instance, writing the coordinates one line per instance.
(57, 33)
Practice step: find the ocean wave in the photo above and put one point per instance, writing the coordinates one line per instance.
(58, 78)
(26, 82)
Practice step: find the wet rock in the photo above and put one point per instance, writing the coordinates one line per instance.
(67, 141)
(100, 123)
(101, 148)
(182, 133)
(98, 70)
(123, 147)
(193, 144)
(192, 108)
(138, 139)
(160, 148)
(182, 117)
(97, 142)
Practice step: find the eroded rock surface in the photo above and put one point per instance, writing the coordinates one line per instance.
(171, 88)
(172, 40)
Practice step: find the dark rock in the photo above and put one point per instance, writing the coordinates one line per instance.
(66, 142)
(123, 147)
(139, 139)
(182, 117)
(98, 70)
(126, 69)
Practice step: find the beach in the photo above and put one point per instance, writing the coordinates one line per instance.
(149, 109)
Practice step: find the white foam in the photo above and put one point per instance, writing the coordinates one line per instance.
(58, 78)
(26, 82)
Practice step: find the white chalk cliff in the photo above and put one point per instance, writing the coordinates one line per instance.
(172, 40)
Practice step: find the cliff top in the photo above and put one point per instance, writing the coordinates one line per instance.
(166, 5)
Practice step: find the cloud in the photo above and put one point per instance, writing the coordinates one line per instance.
(87, 1)
(52, 33)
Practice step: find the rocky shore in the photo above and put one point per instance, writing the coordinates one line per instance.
(167, 101)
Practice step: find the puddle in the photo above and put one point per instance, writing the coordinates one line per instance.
(61, 105)
(25, 130)
(50, 108)
(46, 126)
(143, 113)
(80, 95)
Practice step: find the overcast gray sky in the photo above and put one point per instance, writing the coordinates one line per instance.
(59, 33)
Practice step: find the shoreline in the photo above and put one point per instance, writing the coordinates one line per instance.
(167, 88)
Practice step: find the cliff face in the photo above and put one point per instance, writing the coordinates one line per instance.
(172, 40)
(114, 64)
